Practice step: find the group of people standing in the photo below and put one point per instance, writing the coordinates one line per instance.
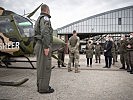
(43, 51)
(126, 53)
(109, 49)
(73, 45)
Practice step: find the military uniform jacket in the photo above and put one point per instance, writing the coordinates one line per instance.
(113, 47)
(98, 49)
(43, 31)
(130, 43)
(89, 51)
(123, 46)
(73, 44)
(43, 35)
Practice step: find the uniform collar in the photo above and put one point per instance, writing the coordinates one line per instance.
(45, 15)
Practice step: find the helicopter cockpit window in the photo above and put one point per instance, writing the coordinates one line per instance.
(5, 25)
(25, 26)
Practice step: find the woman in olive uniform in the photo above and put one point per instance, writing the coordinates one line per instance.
(89, 52)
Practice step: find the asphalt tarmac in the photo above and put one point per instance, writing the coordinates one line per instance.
(96, 83)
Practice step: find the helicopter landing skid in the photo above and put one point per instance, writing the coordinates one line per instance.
(18, 83)
(8, 62)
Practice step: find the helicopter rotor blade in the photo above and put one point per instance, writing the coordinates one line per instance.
(33, 12)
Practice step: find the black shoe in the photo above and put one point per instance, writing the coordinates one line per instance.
(109, 67)
(128, 70)
(58, 66)
(63, 66)
(105, 67)
(122, 68)
(53, 67)
(51, 90)
(131, 72)
(49, 87)
(96, 62)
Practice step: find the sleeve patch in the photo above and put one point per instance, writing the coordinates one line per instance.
(46, 18)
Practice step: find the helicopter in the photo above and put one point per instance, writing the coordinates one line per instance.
(17, 39)
(17, 35)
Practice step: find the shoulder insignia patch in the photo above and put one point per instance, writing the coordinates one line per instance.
(46, 18)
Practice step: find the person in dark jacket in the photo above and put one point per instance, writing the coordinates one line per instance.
(107, 52)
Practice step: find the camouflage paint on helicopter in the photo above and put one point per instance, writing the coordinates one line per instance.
(16, 37)
(18, 29)
(8, 46)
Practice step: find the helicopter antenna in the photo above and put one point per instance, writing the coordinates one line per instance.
(33, 12)
(24, 13)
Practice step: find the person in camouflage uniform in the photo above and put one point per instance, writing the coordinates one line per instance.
(98, 50)
(89, 52)
(44, 39)
(73, 45)
(123, 52)
(130, 53)
(113, 50)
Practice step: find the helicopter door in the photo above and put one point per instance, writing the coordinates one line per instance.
(26, 31)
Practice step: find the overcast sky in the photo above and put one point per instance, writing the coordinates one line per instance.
(64, 12)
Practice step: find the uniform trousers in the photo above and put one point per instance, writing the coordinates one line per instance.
(108, 61)
(89, 61)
